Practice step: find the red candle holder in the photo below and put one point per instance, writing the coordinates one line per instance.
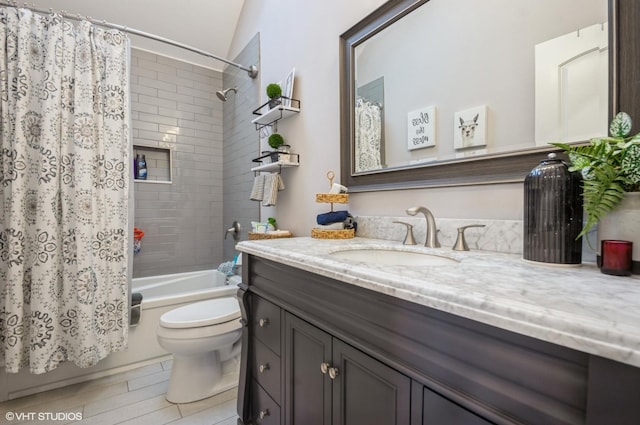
(616, 257)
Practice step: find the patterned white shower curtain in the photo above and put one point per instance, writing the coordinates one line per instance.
(64, 183)
(368, 137)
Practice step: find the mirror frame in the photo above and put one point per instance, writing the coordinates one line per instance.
(624, 95)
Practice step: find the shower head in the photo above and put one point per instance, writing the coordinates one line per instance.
(222, 94)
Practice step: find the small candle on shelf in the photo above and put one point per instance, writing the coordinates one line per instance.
(616, 257)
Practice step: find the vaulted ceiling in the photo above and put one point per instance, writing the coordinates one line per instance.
(205, 24)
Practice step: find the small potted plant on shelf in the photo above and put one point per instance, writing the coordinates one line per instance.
(281, 152)
(611, 170)
(274, 91)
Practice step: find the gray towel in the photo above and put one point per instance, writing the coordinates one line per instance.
(257, 191)
(272, 184)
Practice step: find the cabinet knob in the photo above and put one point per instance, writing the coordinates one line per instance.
(263, 322)
(264, 413)
(263, 367)
(333, 372)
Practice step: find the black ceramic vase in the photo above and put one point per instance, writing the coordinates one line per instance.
(552, 213)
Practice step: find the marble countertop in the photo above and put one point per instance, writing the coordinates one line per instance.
(576, 307)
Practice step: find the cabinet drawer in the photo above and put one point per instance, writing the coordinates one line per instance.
(265, 410)
(266, 369)
(266, 323)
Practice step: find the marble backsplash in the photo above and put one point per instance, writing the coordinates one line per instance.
(497, 235)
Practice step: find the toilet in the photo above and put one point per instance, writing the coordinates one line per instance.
(201, 336)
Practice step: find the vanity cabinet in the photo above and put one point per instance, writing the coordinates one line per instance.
(264, 360)
(329, 382)
(398, 362)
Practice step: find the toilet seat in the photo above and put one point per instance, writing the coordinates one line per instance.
(203, 313)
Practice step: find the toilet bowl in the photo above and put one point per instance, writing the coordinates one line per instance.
(201, 336)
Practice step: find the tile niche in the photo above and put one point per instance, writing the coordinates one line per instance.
(158, 164)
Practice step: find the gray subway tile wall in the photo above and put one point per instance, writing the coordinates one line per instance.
(241, 144)
(174, 106)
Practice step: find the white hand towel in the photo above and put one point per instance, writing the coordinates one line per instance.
(332, 226)
(272, 184)
(257, 191)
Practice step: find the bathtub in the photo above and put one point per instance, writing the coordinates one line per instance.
(176, 289)
(159, 295)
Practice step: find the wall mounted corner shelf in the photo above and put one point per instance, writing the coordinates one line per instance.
(293, 161)
(275, 166)
(270, 116)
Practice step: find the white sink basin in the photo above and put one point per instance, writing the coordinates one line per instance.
(391, 257)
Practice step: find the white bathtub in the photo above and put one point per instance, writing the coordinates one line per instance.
(175, 289)
(159, 295)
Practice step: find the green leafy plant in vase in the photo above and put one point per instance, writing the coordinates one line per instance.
(274, 91)
(610, 167)
(276, 141)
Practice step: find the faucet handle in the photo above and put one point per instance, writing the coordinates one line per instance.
(461, 243)
(234, 230)
(408, 239)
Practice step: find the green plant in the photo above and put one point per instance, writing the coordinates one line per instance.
(272, 222)
(274, 90)
(610, 167)
(275, 140)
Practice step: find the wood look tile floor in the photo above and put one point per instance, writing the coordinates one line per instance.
(135, 397)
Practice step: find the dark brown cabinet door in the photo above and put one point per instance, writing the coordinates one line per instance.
(351, 389)
(367, 392)
(308, 390)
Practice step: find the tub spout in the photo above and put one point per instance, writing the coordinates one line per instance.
(432, 232)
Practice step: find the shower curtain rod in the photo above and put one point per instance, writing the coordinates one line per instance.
(251, 70)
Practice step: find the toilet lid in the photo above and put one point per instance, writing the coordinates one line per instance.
(203, 313)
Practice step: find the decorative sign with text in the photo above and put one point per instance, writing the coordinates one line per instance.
(421, 128)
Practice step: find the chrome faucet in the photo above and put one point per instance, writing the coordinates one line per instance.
(432, 233)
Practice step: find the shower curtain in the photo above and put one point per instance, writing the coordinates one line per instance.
(64, 184)
(368, 137)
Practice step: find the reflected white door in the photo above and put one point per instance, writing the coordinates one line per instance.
(572, 74)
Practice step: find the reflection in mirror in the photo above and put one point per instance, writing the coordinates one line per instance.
(572, 77)
(466, 79)
(369, 126)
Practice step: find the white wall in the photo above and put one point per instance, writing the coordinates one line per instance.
(305, 35)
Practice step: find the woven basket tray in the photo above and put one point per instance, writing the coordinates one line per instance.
(334, 198)
(333, 234)
(256, 236)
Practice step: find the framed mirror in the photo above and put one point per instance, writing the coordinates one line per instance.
(409, 95)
